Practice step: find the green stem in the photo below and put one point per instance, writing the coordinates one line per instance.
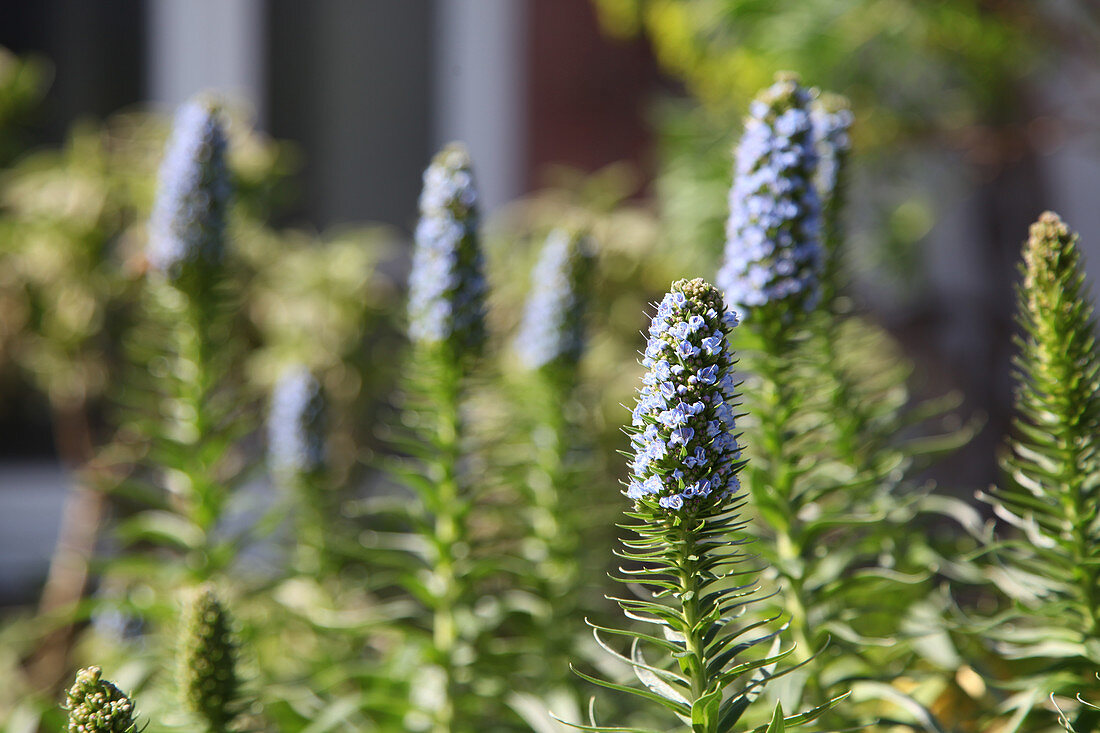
(448, 534)
(781, 394)
(556, 570)
(694, 664)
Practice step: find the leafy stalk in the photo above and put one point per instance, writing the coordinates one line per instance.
(191, 412)
(549, 346)
(686, 531)
(446, 325)
(1051, 492)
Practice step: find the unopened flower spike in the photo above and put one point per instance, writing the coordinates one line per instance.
(552, 330)
(95, 705)
(773, 234)
(189, 215)
(208, 661)
(296, 424)
(683, 425)
(447, 286)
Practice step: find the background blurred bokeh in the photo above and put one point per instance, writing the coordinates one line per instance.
(972, 117)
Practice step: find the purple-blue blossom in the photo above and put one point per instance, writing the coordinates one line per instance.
(189, 214)
(447, 287)
(832, 121)
(296, 424)
(773, 234)
(552, 330)
(683, 426)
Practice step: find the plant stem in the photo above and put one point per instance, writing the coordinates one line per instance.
(695, 663)
(448, 520)
(781, 394)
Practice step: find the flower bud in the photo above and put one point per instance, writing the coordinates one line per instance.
(208, 660)
(97, 706)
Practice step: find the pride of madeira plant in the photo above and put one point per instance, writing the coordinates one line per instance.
(186, 344)
(549, 346)
(825, 399)
(687, 531)
(1050, 569)
(447, 291)
(296, 459)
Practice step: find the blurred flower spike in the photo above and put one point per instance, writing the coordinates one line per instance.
(552, 331)
(773, 234)
(189, 216)
(296, 425)
(447, 286)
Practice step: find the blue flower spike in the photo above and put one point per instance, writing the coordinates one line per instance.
(447, 287)
(773, 235)
(188, 222)
(685, 450)
(552, 331)
(295, 427)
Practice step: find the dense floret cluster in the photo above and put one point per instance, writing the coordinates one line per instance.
(773, 234)
(189, 215)
(832, 120)
(295, 427)
(685, 448)
(447, 286)
(553, 323)
(97, 706)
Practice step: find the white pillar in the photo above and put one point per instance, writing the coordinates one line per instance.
(198, 45)
(479, 80)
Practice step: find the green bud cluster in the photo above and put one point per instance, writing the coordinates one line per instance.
(208, 661)
(95, 705)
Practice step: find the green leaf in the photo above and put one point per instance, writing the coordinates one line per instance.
(776, 726)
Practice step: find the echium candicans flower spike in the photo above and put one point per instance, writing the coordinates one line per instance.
(773, 234)
(682, 434)
(447, 285)
(832, 121)
(296, 424)
(208, 661)
(552, 330)
(189, 216)
(97, 706)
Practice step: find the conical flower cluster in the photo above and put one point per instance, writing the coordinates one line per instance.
(189, 215)
(773, 234)
(832, 121)
(208, 661)
(97, 706)
(552, 330)
(296, 424)
(682, 435)
(447, 286)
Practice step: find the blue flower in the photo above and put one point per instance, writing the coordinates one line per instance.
(831, 120)
(295, 425)
(682, 433)
(189, 214)
(773, 234)
(447, 286)
(553, 322)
